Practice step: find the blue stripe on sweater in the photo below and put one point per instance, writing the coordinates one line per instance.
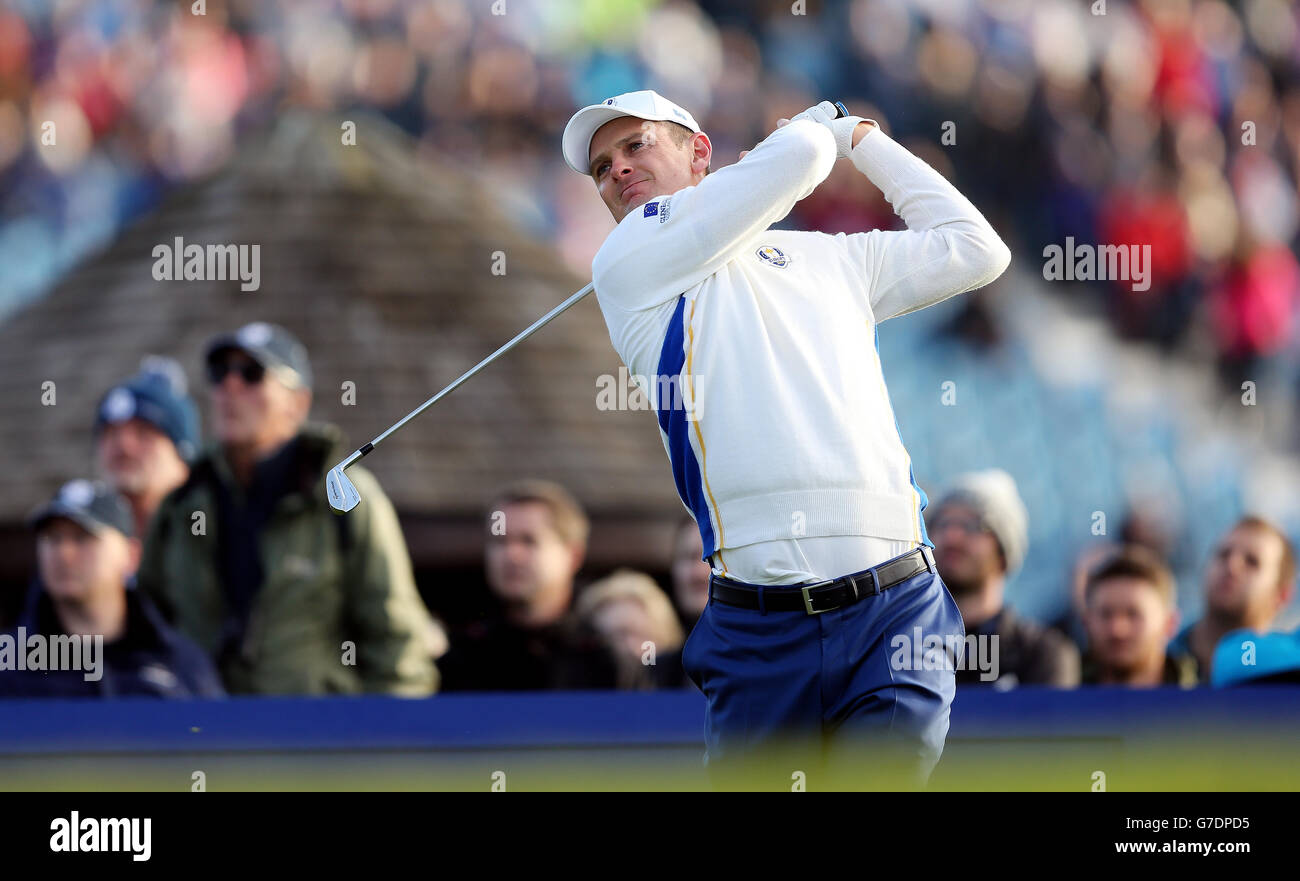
(672, 420)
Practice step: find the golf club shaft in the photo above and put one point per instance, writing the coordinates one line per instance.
(536, 326)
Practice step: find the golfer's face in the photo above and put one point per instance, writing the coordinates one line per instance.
(633, 160)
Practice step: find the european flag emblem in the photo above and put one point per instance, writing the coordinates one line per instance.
(651, 209)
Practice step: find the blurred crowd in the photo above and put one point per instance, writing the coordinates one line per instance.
(1169, 122)
(219, 568)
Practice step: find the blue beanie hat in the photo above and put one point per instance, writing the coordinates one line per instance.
(157, 395)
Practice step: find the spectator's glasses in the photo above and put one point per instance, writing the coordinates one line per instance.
(249, 371)
(967, 525)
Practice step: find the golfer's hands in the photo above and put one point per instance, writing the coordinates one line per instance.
(847, 130)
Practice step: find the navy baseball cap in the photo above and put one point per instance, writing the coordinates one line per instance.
(270, 345)
(92, 505)
(156, 395)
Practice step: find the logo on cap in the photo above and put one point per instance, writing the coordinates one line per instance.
(609, 101)
(119, 405)
(255, 335)
(77, 493)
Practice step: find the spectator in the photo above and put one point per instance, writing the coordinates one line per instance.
(1130, 617)
(689, 574)
(1071, 624)
(536, 542)
(638, 624)
(247, 555)
(1251, 579)
(85, 554)
(1253, 305)
(980, 535)
(146, 433)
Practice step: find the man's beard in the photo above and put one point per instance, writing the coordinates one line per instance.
(961, 585)
(1127, 669)
(1229, 615)
(130, 481)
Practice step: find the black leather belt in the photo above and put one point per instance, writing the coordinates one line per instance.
(815, 599)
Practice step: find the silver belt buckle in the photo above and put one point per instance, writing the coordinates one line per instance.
(807, 598)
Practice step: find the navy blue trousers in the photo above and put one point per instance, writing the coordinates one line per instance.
(840, 692)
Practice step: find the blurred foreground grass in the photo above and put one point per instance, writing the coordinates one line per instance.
(1238, 763)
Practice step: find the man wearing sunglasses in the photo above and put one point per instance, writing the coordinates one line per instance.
(252, 564)
(981, 532)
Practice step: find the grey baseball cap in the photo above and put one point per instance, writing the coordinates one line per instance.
(92, 505)
(270, 345)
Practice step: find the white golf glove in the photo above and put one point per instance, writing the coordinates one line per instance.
(842, 128)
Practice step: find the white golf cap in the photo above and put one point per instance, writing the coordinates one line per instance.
(646, 104)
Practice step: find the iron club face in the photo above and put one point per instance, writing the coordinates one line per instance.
(343, 496)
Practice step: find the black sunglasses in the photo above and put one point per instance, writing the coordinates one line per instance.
(968, 525)
(249, 371)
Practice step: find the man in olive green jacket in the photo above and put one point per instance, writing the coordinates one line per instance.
(249, 561)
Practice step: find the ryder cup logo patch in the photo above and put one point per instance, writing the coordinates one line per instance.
(773, 256)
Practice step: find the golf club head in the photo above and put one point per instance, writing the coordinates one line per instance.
(343, 496)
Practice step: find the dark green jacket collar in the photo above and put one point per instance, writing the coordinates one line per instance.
(318, 446)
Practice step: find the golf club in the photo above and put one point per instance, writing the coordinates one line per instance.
(342, 493)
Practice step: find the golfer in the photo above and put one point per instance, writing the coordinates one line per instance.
(762, 357)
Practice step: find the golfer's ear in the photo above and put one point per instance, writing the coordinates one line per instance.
(701, 153)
